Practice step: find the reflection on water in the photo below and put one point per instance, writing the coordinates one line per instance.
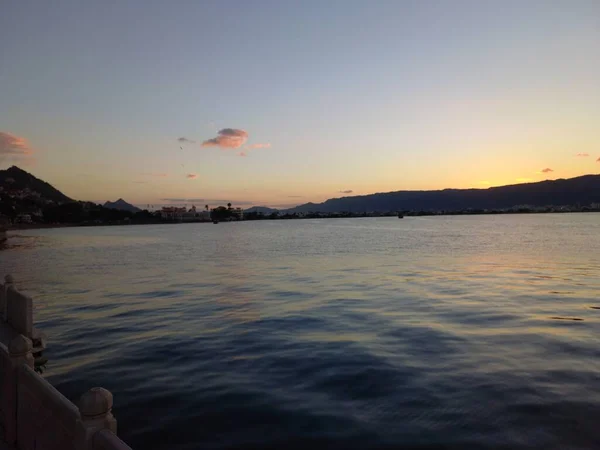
(20, 241)
(429, 332)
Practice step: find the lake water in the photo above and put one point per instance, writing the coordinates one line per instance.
(432, 332)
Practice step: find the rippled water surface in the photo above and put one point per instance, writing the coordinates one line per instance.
(442, 332)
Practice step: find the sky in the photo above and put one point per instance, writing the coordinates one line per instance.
(280, 103)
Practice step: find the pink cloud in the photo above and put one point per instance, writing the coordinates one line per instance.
(14, 146)
(547, 170)
(242, 154)
(255, 146)
(582, 155)
(227, 138)
(191, 176)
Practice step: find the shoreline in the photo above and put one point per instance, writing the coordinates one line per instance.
(40, 226)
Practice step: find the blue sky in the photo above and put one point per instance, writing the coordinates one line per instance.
(343, 95)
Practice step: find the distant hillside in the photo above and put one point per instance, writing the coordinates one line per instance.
(122, 205)
(17, 179)
(261, 209)
(583, 190)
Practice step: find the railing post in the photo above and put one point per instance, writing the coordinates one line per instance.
(20, 354)
(95, 408)
(8, 282)
(19, 311)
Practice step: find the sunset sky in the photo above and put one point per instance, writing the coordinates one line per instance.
(279, 103)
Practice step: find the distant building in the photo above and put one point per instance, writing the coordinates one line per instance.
(191, 215)
(237, 213)
(182, 214)
(204, 216)
(172, 213)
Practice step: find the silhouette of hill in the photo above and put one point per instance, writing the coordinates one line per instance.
(582, 190)
(122, 205)
(17, 179)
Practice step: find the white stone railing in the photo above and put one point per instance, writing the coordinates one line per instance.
(4, 368)
(3, 288)
(19, 309)
(33, 414)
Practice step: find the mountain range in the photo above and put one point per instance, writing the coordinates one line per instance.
(122, 205)
(583, 190)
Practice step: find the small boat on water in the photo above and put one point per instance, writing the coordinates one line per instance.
(400, 216)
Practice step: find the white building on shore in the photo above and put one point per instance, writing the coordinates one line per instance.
(182, 214)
